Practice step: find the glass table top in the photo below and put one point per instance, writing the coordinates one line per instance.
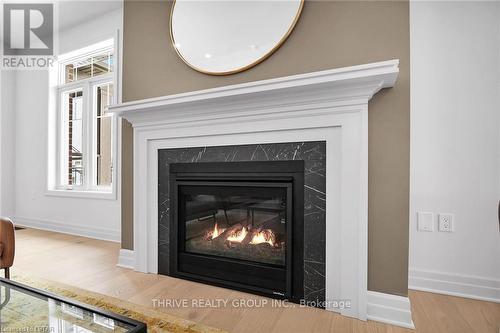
(23, 309)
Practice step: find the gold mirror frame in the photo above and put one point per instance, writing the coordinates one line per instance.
(244, 68)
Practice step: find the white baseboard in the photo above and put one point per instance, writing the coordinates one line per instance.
(78, 230)
(484, 289)
(389, 309)
(126, 259)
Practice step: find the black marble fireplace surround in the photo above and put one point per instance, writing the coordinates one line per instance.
(314, 156)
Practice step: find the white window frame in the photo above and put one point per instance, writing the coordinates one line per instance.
(89, 189)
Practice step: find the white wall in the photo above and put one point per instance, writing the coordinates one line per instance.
(7, 143)
(90, 32)
(99, 218)
(455, 146)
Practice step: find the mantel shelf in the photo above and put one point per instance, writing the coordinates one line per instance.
(341, 86)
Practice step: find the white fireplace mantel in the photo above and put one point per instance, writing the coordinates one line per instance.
(329, 105)
(304, 92)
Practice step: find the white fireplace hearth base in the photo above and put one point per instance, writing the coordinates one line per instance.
(329, 106)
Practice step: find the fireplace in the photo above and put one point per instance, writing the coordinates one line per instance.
(269, 120)
(239, 225)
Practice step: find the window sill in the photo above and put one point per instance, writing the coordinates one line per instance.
(82, 194)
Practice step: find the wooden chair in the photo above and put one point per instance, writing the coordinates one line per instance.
(7, 245)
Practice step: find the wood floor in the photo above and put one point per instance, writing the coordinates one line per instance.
(91, 264)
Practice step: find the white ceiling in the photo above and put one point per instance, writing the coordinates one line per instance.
(74, 12)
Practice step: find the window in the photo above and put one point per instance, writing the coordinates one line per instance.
(86, 131)
(103, 121)
(87, 67)
(73, 134)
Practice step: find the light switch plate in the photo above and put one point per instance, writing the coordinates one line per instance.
(425, 221)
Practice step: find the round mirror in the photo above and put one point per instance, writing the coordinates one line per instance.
(225, 37)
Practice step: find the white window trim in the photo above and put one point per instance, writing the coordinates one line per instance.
(91, 191)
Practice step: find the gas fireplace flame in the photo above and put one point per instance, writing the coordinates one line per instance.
(264, 236)
(216, 232)
(238, 236)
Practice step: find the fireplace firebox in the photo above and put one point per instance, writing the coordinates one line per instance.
(239, 225)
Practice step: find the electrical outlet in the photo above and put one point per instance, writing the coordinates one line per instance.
(445, 222)
(425, 221)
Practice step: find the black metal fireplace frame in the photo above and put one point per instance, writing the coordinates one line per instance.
(286, 174)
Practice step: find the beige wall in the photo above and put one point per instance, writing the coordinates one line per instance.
(328, 35)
